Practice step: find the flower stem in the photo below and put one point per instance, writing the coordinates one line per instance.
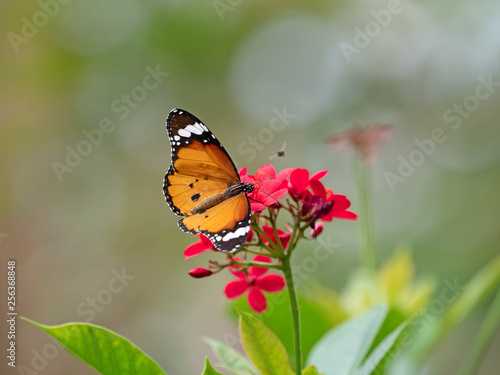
(363, 177)
(484, 337)
(294, 307)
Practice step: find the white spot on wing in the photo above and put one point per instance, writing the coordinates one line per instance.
(238, 233)
(184, 133)
(176, 137)
(194, 129)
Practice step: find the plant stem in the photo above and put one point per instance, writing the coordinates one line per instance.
(294, 307)
(363, 178)
(486, 332)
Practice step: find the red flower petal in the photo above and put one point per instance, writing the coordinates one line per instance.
(283, 236)
(256, 300)
(203, 244)
(347, 215)
(254, 271)
(265, 171)
(299, 178)
(236, 288)
(341, 202)
(243, 172)
(319, 175)
(283, 174)
(237, 270)
(204, 239)
(261, 258)
(318, 189)
(270, 283)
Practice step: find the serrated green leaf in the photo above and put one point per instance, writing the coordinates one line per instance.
(345, 346)
(310, 370)
(230, 358)
(263, 347)
(104, 350)
(382, 351)
(209, 370)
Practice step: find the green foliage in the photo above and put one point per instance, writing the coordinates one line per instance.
(344, 347)
(316, 312)
(209, 370)
(482, 285)
(380, 357)
(342, 350)
(263, 347)
(311, 370)
(230, 358)
(104, 350)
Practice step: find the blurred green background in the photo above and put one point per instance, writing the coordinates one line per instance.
(68, 67)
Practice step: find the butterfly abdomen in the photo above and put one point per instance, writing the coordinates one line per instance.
(209, 202)
(214, 200)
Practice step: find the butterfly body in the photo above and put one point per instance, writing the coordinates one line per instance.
(203, 186)
(231, 191)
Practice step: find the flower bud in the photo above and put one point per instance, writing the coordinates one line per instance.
(316, 231)
(199, 273)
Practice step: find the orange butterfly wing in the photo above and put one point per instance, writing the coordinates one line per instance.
(201, 168)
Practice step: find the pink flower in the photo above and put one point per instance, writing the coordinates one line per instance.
(365, 139)
(300, 182)
(199, 273)
(203, 244)
(255, 282)
(269, 187)
(284, 237)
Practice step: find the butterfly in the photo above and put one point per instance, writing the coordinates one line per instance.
(203, 185)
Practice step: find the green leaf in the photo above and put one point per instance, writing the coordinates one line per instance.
(345, 346)
(263, 347)
(310, 370)
(463, 300)
(104, 350)
(230, 358)
(483, 284)
(382, 352)
(209, 370)
(320, 310)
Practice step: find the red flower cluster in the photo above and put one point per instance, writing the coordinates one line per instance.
(255, 282)
(315, 204)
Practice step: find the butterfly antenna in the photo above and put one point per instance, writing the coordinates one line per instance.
(277, 201)
(258, 182)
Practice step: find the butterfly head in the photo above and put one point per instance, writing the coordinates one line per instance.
(248, 188)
